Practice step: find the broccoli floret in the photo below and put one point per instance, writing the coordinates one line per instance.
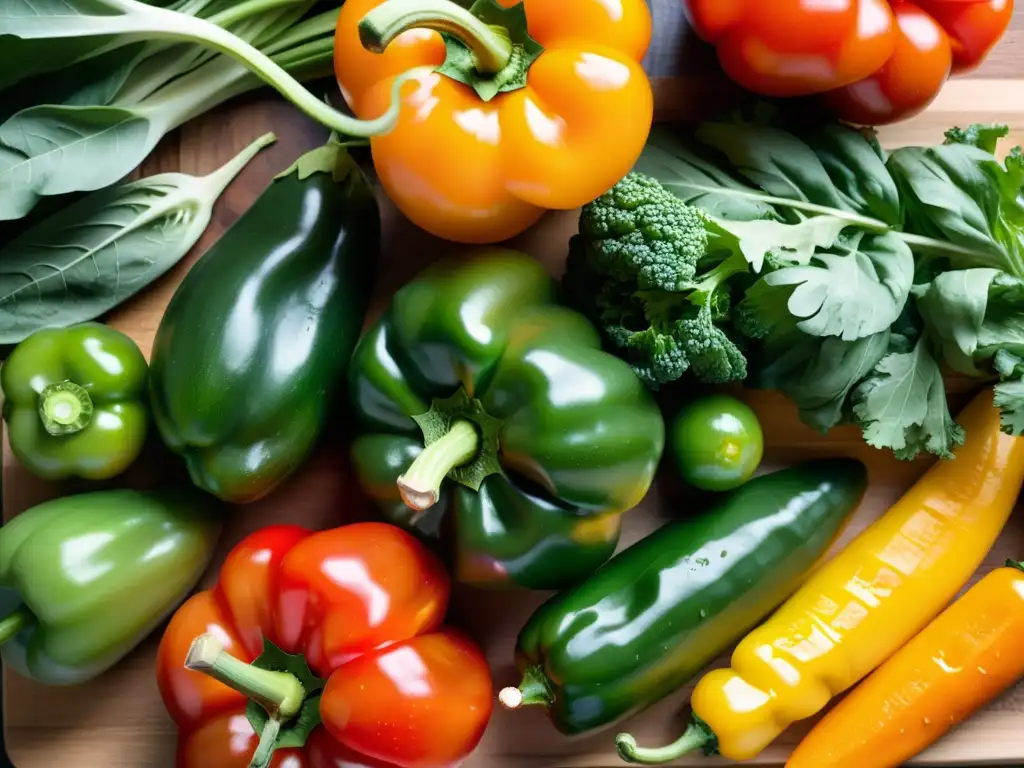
(714, 356)
(658, 356)
(653, 274)
(641, 233)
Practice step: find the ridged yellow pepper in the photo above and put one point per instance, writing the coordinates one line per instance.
(863, 604)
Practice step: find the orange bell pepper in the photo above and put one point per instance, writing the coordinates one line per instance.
(876, 61)
(544, 106)
(961, 661)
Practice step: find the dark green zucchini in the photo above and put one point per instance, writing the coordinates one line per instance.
(657, 613)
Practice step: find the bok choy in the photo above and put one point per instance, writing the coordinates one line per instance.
(96, 129)
(107, 246)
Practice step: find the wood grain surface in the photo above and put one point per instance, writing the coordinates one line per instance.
(118, 720)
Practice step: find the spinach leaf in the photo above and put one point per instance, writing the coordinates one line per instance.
(953, 307)
(94, 82)
(948, 193)
(1003, 328)
(818, 374)
(792, 243)
(856, 166)
(103, 249)
(774, 161)
(697, 180)
(816, 203)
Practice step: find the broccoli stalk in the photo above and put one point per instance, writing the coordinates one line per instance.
(653, 274)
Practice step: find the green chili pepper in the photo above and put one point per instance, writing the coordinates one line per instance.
(254, 345)
(536, 440)
(662, 610)
(84, 579)
(74, 402)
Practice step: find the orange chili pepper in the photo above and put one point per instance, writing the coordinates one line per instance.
(967, 656)
(544, 106)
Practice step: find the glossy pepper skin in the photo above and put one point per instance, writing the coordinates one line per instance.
(476, 170)
(966, 657)
(75, 402)
(363, 605)
(864, 603)
(84, 579)
(875, 61)
(660, 611)
(574, 436)
(252, 347)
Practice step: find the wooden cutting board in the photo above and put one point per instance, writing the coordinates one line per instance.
(118, 720)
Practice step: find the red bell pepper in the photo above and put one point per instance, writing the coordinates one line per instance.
(350, 619)
(876, 61)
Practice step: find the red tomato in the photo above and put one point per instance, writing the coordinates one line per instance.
(908, 82)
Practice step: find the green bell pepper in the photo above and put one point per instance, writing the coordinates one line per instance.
(662, 610)
(494, 421)
(74, 402)
(251, 353)
(84, 579)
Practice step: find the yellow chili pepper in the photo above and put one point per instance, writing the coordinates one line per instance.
(862, 605)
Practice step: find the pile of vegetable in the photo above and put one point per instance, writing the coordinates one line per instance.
(809, 260)
(503, 423)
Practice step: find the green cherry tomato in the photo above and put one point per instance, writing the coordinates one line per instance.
(717, 443)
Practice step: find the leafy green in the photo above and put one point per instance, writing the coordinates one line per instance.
(962, 195)
(24, 59)
(857, 289)
(818, 374)
(106, 247)
(901, 405)
(56, 149)
(953, 305)
(831, 188)
(1009, 393)
(916, 264)
(129, 21)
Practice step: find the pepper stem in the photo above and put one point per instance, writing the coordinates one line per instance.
(421, 483)
(696, 736)
(280, 693)
(22, 618)
(490, 45)
(534, 690)
(268, 743)
(65, 408)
